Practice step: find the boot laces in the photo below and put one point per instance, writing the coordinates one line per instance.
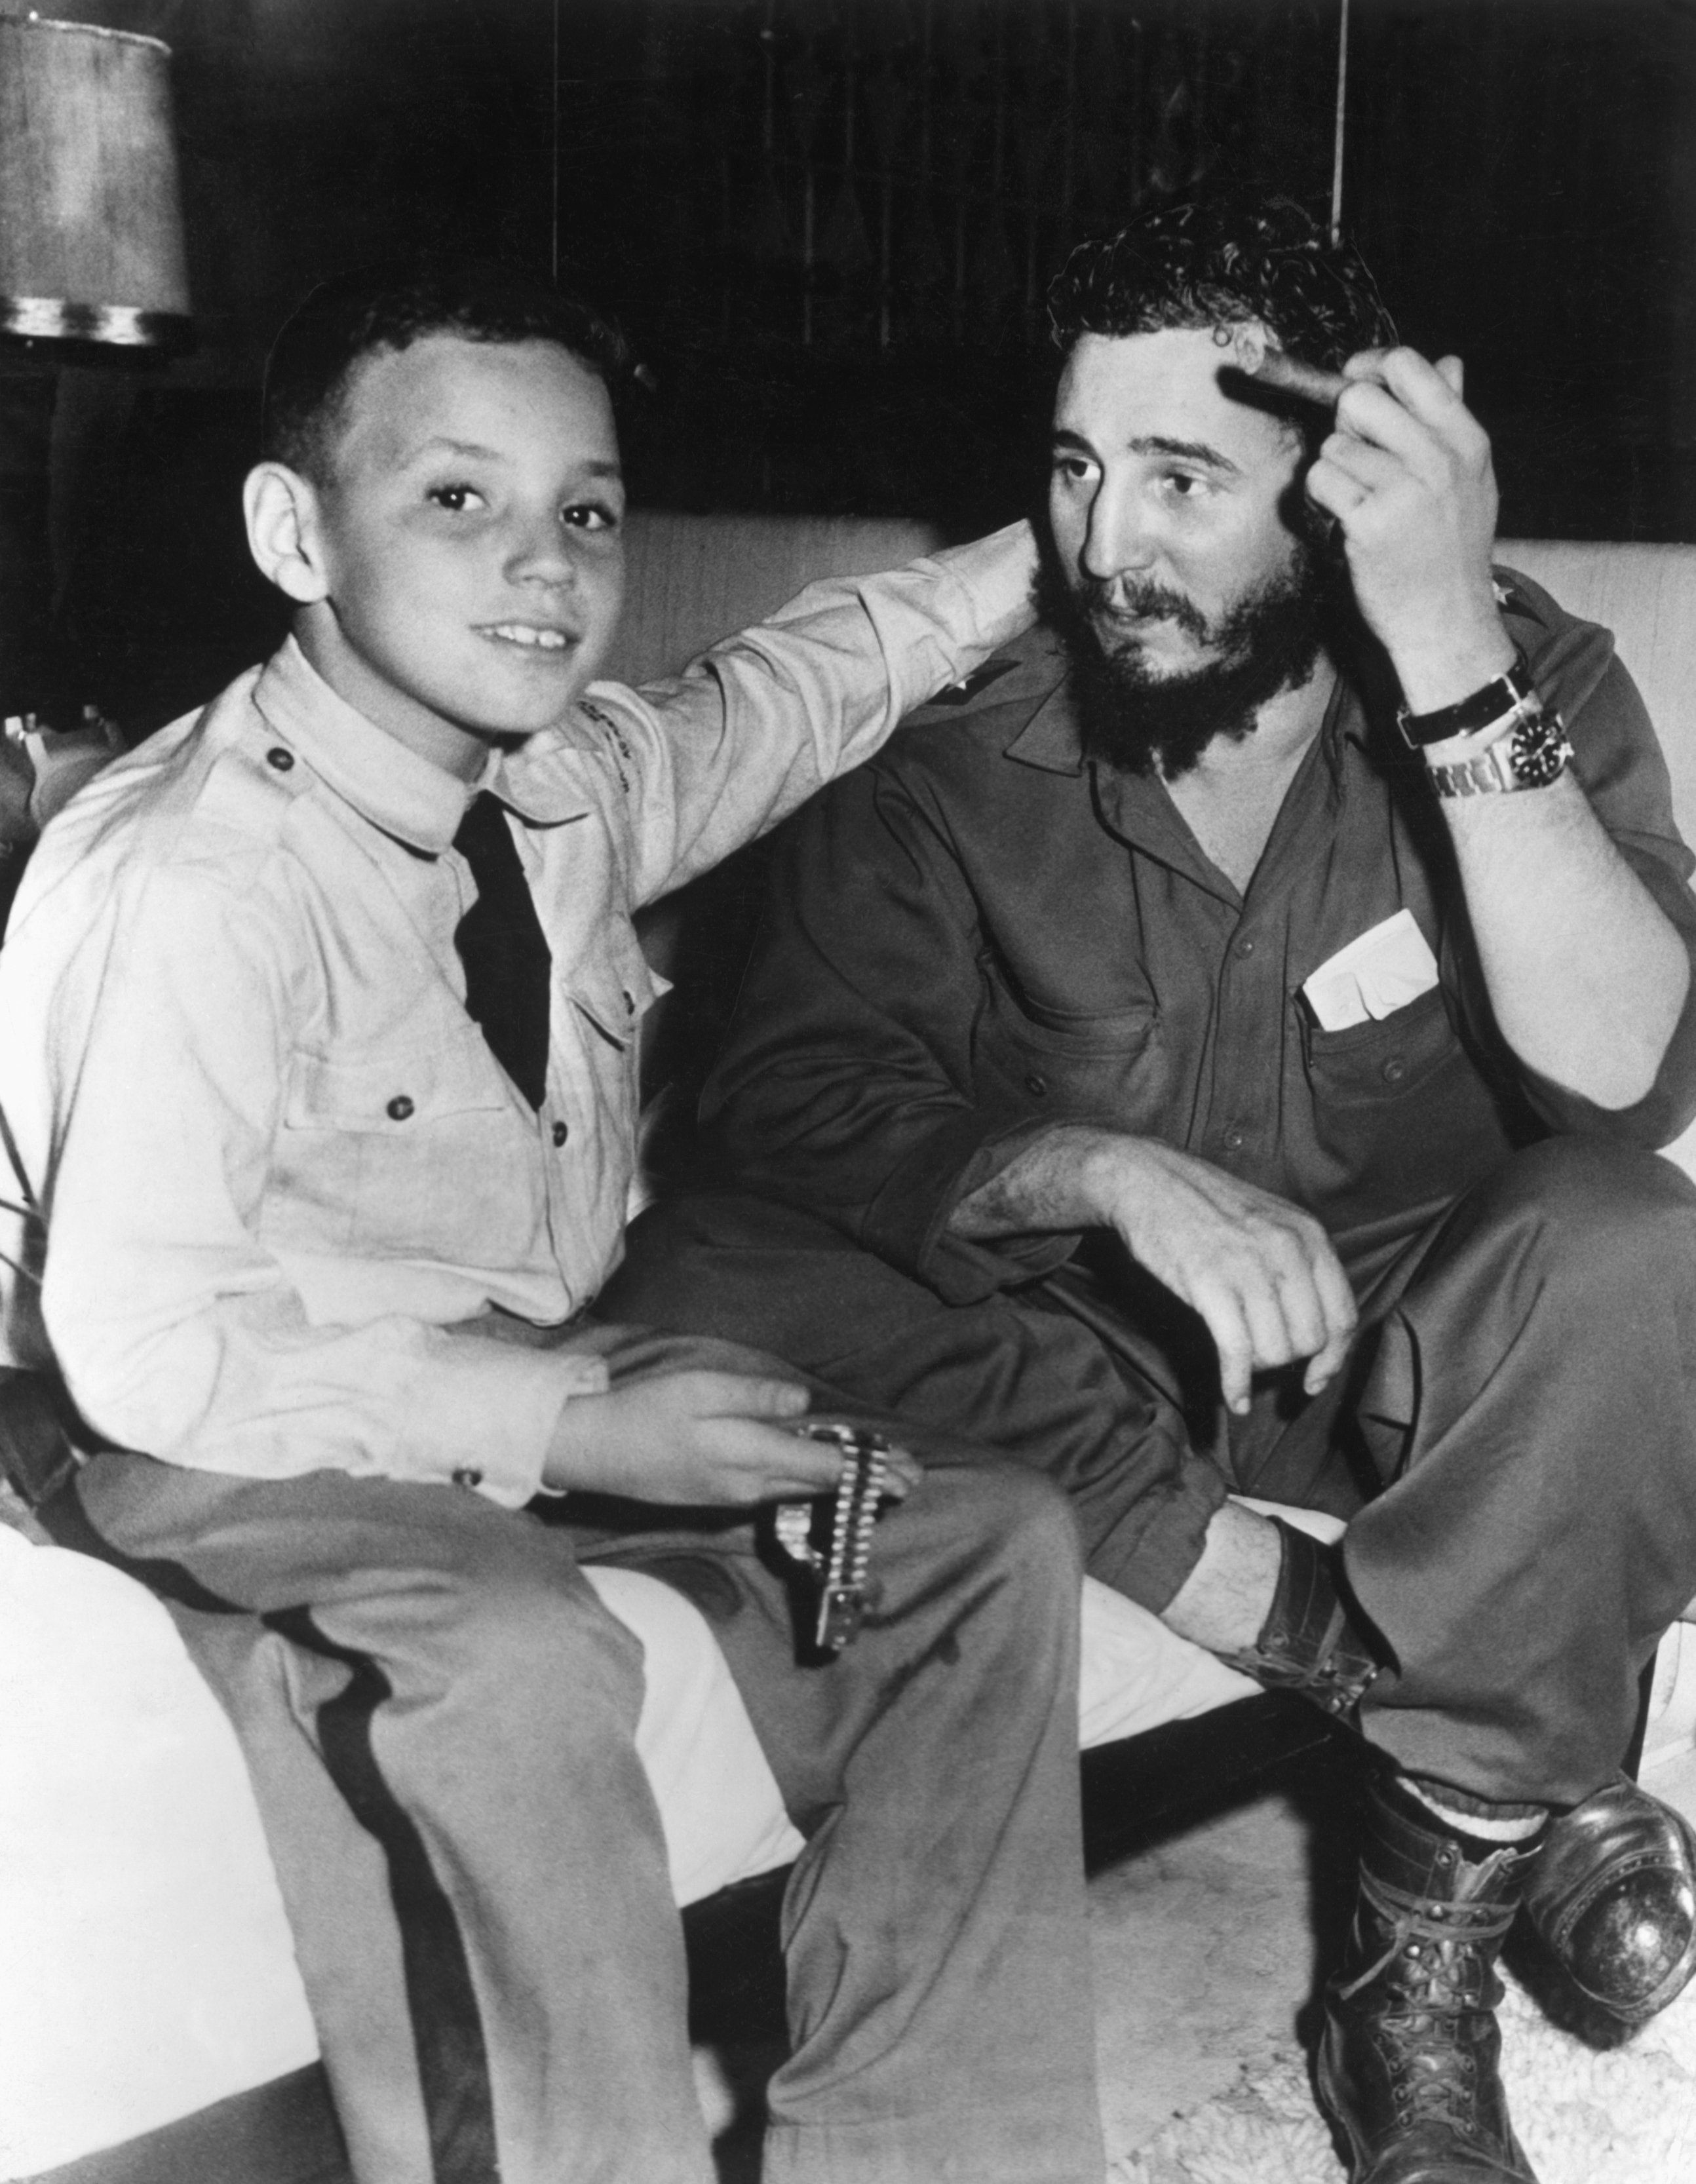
(1441, 1955)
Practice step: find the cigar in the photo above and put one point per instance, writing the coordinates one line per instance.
(1277, 368)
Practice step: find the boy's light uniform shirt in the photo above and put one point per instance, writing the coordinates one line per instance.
(283, 1179)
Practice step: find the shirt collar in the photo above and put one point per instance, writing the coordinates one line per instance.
(1050, 738)
(404, 795)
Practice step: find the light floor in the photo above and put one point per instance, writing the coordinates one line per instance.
(1205, 1960)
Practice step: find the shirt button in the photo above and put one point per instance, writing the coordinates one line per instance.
(1036, 1084)
(1235, 1141)
(560, 1134)
(398, 1108)
(630, 1004)
(1395, 1069)
(468, 1475)
(1245, 948)
(282, 760)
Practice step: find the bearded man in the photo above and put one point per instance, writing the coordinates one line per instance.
(1227, 1062)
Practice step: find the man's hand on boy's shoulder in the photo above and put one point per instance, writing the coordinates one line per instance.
(695, 1438)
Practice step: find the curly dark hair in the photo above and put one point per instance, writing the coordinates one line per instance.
(373, 308)
(1215, 261)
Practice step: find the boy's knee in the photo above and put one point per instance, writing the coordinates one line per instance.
(1015, 1515)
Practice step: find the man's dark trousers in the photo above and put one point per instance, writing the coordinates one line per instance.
(1518, 1420)
(438, 1714)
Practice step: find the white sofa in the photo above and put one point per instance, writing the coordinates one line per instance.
(147, 1985)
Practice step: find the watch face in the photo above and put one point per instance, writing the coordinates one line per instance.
(1538, 750)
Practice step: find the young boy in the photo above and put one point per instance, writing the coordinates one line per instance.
(320, 1065)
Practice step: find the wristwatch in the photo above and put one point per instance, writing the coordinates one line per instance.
(1535, 753)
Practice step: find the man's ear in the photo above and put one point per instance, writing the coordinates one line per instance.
(284, 534)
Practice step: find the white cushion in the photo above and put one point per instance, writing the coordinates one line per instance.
(149, 1966)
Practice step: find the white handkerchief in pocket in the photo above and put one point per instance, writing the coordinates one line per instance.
(1376, 974)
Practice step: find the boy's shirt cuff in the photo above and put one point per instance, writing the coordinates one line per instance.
(997, 576)
(482, 1415)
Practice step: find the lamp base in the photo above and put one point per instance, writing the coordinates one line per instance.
(121, 326)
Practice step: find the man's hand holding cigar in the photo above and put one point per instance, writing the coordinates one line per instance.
(1407, 474)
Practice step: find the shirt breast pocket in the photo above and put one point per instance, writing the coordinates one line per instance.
(406, 1153)
(1385, 1058)
(1401, 1117)
(1107, 1065)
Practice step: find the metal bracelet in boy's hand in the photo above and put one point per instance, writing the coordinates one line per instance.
(841, 1572)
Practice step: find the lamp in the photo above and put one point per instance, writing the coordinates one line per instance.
(92, 268)
(90, 214)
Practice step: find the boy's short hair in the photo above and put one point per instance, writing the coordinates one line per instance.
(374, 307)
(1211, 262)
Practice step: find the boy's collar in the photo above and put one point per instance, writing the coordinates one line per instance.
(405, 795)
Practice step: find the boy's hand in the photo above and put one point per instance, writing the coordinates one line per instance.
(695, 1438)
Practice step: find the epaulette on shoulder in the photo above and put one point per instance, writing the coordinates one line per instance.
(962, 694)
(1516, 595)
(1027, 667)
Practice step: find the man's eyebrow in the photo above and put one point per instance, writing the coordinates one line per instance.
(1156, 444)
(1189, 451)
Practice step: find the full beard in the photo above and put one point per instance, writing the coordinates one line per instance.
(1136, 720)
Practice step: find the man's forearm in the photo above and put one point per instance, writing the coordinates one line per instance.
(1586, 973)
(1263, 1274)
(1055, 1182)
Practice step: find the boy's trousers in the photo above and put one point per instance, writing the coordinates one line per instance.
(438, 1667)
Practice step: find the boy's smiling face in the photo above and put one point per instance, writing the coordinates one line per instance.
(468, 542)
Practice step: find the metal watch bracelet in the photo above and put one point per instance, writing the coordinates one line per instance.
(1534, 754)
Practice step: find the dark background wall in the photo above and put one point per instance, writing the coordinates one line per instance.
(829, 224)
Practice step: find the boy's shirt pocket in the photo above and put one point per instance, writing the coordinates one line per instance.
(421, 1151)
(611, 988)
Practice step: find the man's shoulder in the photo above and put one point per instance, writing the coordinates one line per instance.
(981, 716)
(1540, 624)
(1576, 667)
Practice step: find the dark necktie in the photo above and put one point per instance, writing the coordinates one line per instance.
(501, 943)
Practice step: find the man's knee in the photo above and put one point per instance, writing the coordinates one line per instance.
(1595, 1213)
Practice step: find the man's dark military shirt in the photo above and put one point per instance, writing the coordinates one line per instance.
(981, 933)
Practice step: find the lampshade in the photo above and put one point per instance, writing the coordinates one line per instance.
(90, 216)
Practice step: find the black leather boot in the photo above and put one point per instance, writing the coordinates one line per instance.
(1407, 2062)
(1614, 1897)
(1308, 1643)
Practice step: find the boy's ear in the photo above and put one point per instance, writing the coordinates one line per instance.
(284, 533)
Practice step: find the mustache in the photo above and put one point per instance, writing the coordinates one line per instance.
(1110, 599)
